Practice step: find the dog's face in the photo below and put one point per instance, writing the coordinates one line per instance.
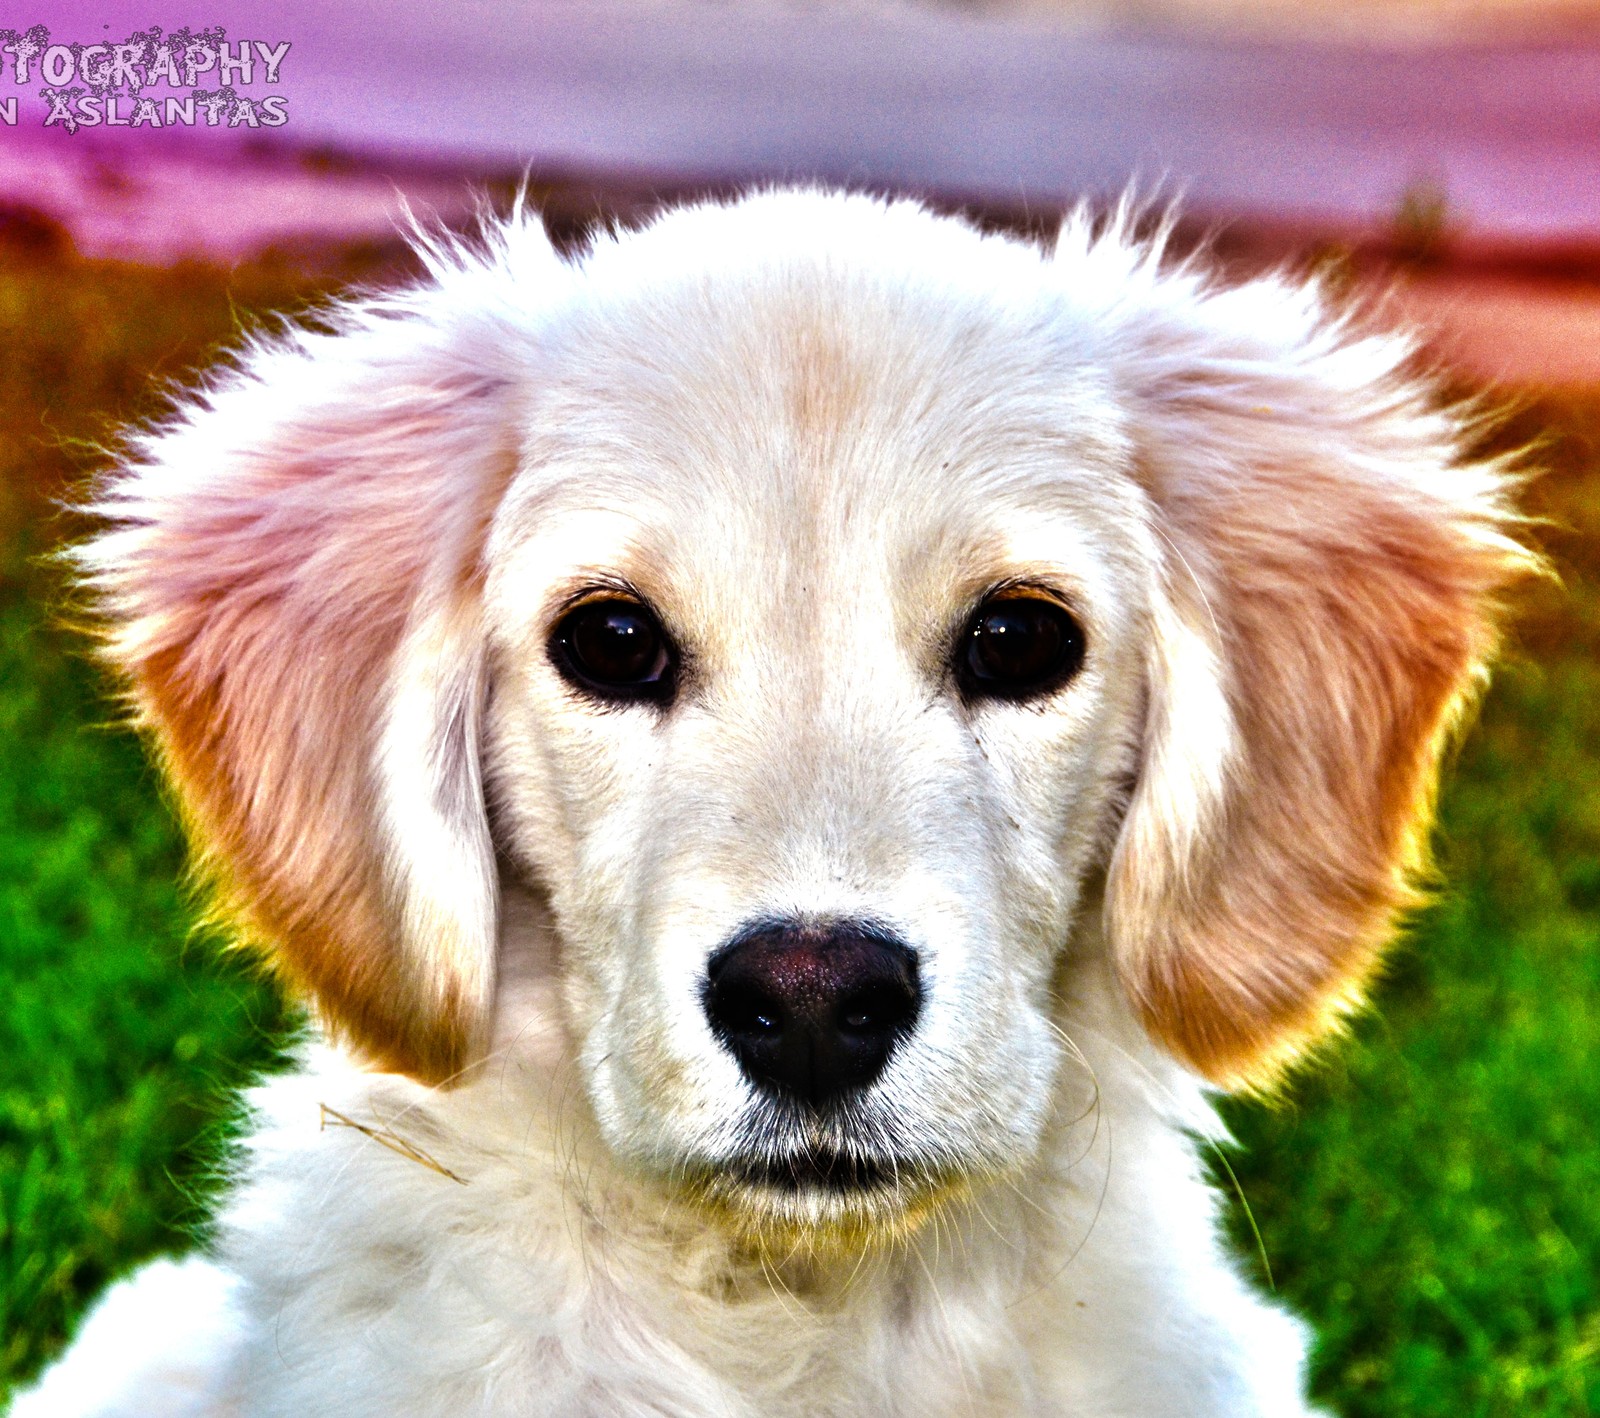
(811, 721)
(821, 608)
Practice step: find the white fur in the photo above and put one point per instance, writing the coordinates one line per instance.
(810, 430)
(158, 1343)
(550, 1284)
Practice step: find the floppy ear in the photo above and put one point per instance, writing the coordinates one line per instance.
(1324, 608)
(290, 580)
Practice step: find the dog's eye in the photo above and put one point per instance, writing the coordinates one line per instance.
(1017, 646)
(614, 649)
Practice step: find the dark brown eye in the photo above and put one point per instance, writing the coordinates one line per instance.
(615, 649)
(1017, 646)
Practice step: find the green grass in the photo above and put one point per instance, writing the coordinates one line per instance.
(1426, 1194)
(118, 1042)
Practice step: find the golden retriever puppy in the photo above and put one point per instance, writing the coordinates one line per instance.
(788, 754)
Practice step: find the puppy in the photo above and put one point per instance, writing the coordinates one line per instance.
(788, 754)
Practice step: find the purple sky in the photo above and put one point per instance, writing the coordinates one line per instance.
(1003, 110)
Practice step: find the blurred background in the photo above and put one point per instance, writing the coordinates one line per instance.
(1427, 1191)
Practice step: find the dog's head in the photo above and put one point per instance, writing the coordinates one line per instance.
(822, 607)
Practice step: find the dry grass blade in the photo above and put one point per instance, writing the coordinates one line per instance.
(386, 1137)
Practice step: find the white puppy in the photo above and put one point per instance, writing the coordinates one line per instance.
(786, 754)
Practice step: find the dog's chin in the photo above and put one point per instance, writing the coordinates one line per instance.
(821, 1201)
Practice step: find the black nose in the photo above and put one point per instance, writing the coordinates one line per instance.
(813, 1011)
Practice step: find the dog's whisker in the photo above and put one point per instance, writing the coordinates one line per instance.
(957, 1356)
(1093, 1107)
(1011, 1243)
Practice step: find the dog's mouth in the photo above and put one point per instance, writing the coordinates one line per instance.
(817, 1168)
(819, 1198)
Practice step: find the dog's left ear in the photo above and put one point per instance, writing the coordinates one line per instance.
(1325, 605)
(290, 582)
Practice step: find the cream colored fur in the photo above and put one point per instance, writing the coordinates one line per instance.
(811, 432)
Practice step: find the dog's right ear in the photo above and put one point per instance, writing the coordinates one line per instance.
(290, 581)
